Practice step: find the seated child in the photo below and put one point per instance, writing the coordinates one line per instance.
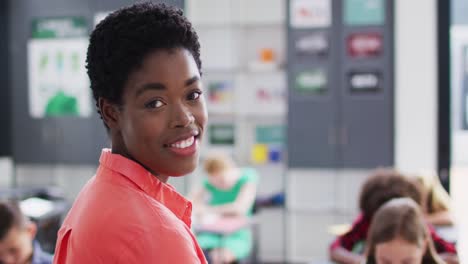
(436, 200)
(228, 191)
(17, 232)
(382, 186)
(399, 234)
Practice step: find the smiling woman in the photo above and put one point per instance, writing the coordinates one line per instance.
(144, 65)
(162, 111)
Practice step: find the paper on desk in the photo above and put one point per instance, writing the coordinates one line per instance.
(36, 207)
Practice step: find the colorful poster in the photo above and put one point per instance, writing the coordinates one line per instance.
(220, 95)
(362, 81)
(314, 81)
(310, 14)
(58, 83)
(221, 134)
(364, 12)
(364, 44)
(313, 44)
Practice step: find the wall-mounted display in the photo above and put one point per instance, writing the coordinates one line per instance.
(310, 14)
(365, 81)
(364, 44)
(58, 83)
(316, 43)
(311, 81)
(364, 12)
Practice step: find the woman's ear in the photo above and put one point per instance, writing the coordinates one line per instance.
(109, 112)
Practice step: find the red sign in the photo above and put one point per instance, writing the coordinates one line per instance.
(364, 44)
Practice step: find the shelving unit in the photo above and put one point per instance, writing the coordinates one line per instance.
(244, 93)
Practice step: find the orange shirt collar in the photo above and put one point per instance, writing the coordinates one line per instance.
(148, 183)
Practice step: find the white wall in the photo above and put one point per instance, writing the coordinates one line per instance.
(416, 84)
(6, 172)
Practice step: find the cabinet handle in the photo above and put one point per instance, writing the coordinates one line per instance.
(344, 136)
(331, 136)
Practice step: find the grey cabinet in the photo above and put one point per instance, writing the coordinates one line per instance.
(347, 123)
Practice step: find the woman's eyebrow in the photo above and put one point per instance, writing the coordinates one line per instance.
(150, 86)
(192, 80)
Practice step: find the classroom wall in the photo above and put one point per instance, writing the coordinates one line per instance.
(416, 84)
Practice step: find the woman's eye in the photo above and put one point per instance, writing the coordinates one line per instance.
(154, 104)
(194, 95)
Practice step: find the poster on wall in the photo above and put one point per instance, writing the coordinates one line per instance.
(220, 96)
(58, 83)
(310, 14)
(364, 12)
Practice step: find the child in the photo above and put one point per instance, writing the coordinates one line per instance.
(382, 186)
(436, 201)
(17, 234)
(144, 65)
(398, 234)
(231, 192)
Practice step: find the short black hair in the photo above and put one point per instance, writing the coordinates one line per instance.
(10, 216)
(383, 185)
(119, 44)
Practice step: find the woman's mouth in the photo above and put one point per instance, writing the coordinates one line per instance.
(182, 144)
(185, 147)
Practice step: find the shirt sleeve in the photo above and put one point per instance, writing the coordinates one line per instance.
(440, 244)
(249, 175)
(357, 233)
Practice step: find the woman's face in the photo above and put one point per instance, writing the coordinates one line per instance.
(163, 115)
(399, 251)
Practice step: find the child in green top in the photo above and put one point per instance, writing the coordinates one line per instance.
(227, 191)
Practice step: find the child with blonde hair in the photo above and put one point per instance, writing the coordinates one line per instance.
(436, 200)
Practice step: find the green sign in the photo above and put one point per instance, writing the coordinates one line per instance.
(59, 27)
(271, 134)
(364, 12)
(314, 81)
(222, 134)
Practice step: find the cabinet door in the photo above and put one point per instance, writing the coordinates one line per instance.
(312, 116)
(366, 96)
(313, 86)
